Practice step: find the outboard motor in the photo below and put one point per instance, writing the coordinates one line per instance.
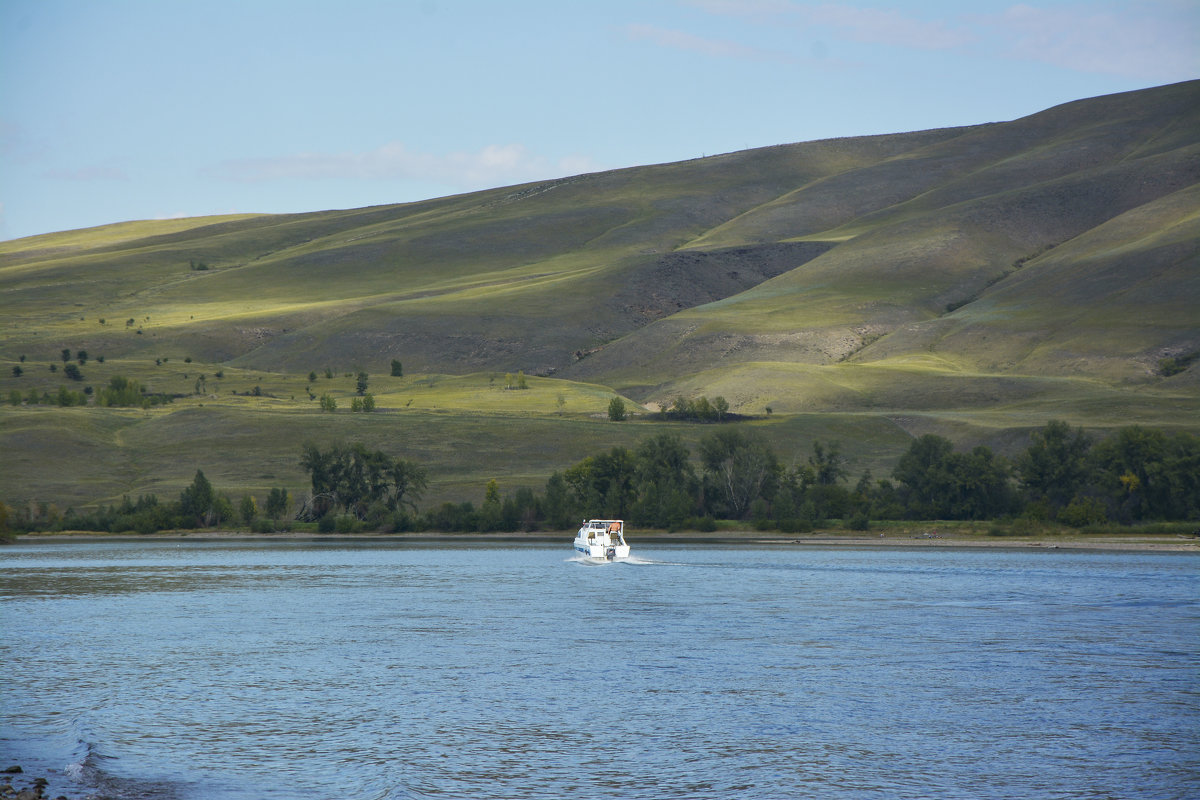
(610, 553)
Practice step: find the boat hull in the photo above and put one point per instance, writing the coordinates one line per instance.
(612, 552)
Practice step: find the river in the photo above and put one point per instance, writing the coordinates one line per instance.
(232, 670)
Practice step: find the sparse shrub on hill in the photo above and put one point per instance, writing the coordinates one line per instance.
(1177, 364)
(120, 392)
(67, 398)
(517, 381)
(700, 409)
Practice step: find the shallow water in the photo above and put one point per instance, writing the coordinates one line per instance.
(237, 670)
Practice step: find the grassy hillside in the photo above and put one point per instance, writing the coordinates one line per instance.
(974, 282)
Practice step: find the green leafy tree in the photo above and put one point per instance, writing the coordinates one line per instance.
(360, 384)
(248, 509)
(1146, 474)
(121, 391)
(604, 484)
(72, 372)
(368, 402)
(491, 513)
(68, 398)
(1083, 511)
(353, 478)
(616, 409)
(740, 467)
(558, 506)
(397, 369)
(277, 503)
(924, 473)
(222, 509)
(328, 403)
(983, 484)
(827, 464)
(66, 355)
(197, 501)
(941, 484)
(667, 486)
(1054, 467)
(17, 371)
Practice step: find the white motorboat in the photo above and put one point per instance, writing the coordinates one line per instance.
(603, 539)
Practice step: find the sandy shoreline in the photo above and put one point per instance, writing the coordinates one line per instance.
(1142, 542)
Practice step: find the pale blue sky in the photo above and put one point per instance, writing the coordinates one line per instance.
(113, 110)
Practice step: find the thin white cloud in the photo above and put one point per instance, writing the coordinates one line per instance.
(492, 165)
(681, 40)
(885, 26)
(1150, 39)
(87, 174)
(1162, 45)
(859, 24)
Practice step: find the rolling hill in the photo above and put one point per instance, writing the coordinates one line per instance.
(972, 281)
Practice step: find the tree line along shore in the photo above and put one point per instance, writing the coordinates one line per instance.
(1065, 478)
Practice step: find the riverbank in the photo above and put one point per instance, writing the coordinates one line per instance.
(897, 536)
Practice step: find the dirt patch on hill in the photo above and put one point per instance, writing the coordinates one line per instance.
(688, 278)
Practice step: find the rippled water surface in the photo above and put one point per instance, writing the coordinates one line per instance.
(233, 670)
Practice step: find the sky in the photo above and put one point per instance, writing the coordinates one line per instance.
(114, 110)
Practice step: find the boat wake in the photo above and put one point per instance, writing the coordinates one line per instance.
(636, 561)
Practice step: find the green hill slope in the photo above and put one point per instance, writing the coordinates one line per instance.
(975, 281)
